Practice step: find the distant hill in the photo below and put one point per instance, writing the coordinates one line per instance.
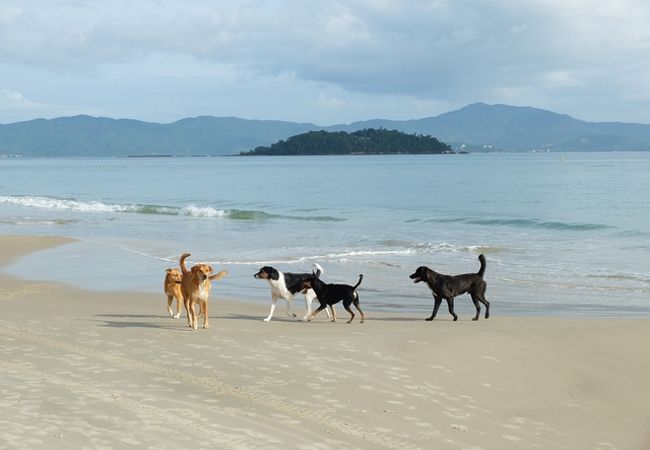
(367, 141)
(477, 126)
(513, 128)
(99, 136)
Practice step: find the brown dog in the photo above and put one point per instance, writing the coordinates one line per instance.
(195, 287)
(172, 288)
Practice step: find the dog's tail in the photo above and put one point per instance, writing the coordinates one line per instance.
(318, 270)
(481, 271)
(358, 282)
(184, 256)
(219, 275)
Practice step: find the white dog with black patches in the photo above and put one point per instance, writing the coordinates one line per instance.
(285, 284)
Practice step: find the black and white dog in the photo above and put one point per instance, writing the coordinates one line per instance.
(285, 285)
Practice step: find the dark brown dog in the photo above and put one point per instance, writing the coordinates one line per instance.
(450, 286)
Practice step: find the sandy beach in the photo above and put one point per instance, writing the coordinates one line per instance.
(88, 370)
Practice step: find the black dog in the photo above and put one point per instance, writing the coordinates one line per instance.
(449, 286)
(331, 294)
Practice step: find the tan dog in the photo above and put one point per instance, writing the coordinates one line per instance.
(195, 287)
(172, 288)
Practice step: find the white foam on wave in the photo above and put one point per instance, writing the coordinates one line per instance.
(63, 204)
(202, 211)
(57, 204)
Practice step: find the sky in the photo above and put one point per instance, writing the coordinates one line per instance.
(323, 62)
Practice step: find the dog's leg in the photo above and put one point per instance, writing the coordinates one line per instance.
(450, 305)
(332, 317)
(188, 306)
(355, 302)
(481, 298)
(204, 307)
(289, 313)
(316, 311)
(346, 305)
(310, 295)
(191, 314)
(274, 301)
(178, 308)
(170, 299)
(477, 306)
(436, 306)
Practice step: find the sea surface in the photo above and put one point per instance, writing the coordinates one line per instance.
(563, 233)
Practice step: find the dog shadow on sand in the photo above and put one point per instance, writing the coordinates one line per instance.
(142, 321)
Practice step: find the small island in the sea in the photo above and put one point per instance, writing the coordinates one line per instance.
(363, 142)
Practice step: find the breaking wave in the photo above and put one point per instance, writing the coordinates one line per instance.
(59, 204)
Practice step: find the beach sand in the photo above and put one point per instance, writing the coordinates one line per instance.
(82, 369)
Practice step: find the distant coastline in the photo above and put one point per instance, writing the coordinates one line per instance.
(476, 128)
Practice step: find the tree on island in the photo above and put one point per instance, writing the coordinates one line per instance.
(368, 141)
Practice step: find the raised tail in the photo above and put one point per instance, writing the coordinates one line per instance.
(219, 275)
(184, 256)
(358, 282)
(318, 270)
(481, 271)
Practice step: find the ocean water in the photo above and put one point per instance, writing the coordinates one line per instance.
(562, 233)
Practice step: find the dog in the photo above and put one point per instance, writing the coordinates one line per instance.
(331, 294)
(285, 284)
(172, 288)
(195, 287)
(450, 286)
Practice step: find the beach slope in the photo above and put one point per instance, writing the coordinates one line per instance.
(82, 369)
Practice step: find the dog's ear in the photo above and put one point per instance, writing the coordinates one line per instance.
(195, 268)
(210, 269)
(168, 270)
(274, 274)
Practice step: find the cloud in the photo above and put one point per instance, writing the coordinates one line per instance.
(447, 52)
(330, 101)
(15, 101)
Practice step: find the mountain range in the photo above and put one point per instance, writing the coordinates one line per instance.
(476, 127)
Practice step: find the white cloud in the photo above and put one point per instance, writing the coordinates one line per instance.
(330, 101)
(436, 52)
(15, 101)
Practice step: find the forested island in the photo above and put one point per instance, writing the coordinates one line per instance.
(369, 141)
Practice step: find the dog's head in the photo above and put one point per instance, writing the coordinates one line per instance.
(267, 273)
(307, 284)
(173, 275)
(202, 272)
(422, 273)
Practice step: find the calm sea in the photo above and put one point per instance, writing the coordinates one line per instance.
(562, 233)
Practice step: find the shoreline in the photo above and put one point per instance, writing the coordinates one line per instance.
(110, 370)
(128, 273)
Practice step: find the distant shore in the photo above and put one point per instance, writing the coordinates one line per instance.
(110, 370)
